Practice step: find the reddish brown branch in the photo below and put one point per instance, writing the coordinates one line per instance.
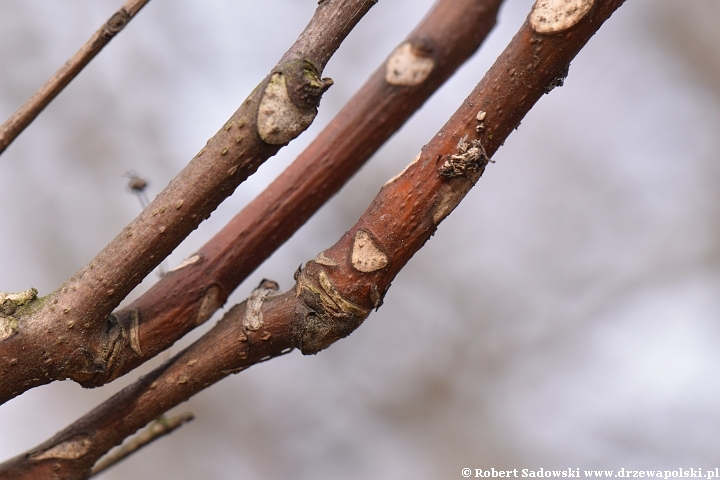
(337, 290)
(447, 37)
(70, 333)
(19, 120)
(226, 349)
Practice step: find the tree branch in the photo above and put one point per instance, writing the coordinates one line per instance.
(190, 293)
(19, 120)
(337, 290)
(70, 333)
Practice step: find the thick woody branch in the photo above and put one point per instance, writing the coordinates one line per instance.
(70, 333)
(349, 279)
(337, 290)
(19, 120)
(188, 295)
(250, 333)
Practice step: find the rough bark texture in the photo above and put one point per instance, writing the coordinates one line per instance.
(24, 116)
(187, 296)
(349, 279)
(336, 291)
(71, 332)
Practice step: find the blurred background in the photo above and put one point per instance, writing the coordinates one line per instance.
(567, 314)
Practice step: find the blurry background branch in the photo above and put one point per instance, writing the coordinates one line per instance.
(157, 429)
(19, 120)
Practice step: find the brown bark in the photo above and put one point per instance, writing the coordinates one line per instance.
(448, 36)
(336, 291)
(70, 333)
(346, 281)
(24, 116)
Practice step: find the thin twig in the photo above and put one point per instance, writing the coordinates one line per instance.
(138, 187)
(159, 428)
(19, 120)
(336, 291)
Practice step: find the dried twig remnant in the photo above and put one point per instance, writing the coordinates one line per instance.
(138, 187)
(159, 428)
(470, 158)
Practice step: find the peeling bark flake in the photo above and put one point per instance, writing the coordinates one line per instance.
(448, 199)
(210, 303)
(553, 16)
(70, 450)
(415, 160)
(335, 302)
(8, 327)
(321, 259)
(135, 331)
(253, 318)
(366, 256)
(188, 261)
(279, 120)
(406, 68)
